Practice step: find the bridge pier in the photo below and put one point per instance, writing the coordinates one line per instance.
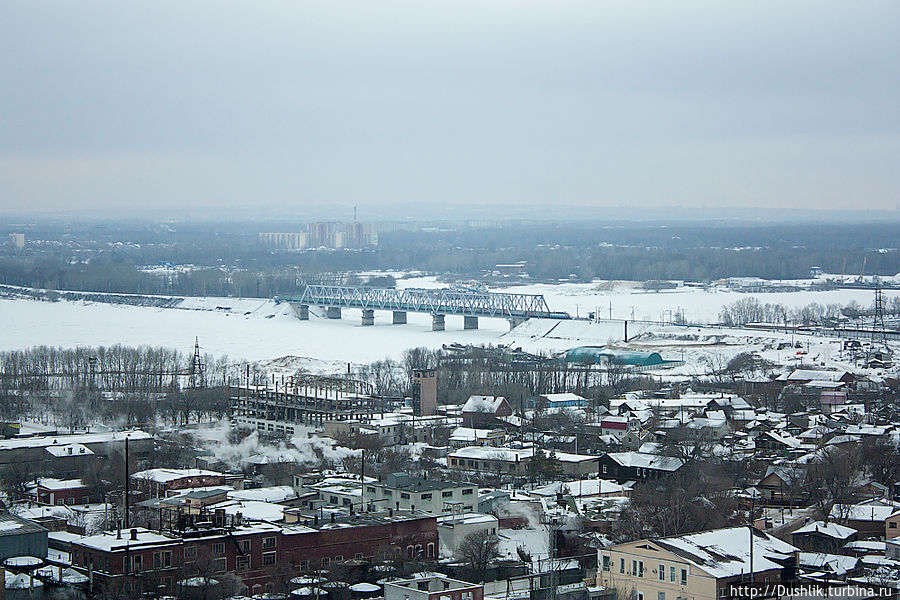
(302, 311)
(333, 312)
(399, 317)
(437, 323)
(368, 316)
(470, 322)
(515, 322)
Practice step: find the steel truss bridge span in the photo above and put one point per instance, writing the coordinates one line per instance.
(435, 302)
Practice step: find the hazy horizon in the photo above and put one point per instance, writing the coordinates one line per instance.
(228, 109)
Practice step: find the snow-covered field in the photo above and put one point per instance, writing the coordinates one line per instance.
(629, 301)
(253, 329)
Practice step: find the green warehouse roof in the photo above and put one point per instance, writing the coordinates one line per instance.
(595, 354)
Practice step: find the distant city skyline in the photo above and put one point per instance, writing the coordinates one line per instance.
(233, 110)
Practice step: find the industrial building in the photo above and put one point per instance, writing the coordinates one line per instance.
(306, 400)
(19, 537)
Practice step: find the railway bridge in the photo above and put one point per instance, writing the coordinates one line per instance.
(439, 303)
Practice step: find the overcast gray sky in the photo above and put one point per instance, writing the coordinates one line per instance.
(296, 104)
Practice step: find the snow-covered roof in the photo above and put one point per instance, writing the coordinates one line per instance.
(166, 475)
(253, 510)
(876, 546)
(78, 438)
(614, 422)
(470, 434)
(788, 440)
(488, 453)
(59, 484)
(562, 397)
(862, 512)
(706, 423)
(109, 541)
(467, 519)
(582, 488)
(811, 375)
(838, 564)
(278, 493)
(483, 404)
(646, 461)
(69, 450)
(832, 530)
(726, 552)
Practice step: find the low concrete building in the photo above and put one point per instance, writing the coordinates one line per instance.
(405, 492)
(436, 587)
(515, 461)
(453, 529)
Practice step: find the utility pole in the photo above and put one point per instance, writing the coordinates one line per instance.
(127, 486)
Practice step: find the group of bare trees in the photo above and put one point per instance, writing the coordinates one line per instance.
(110, 368)
(751, 310)
(835, 476)
(697, 497)
(128, 385)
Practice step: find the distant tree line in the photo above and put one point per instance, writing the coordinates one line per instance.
(751, 310)
(231, 261)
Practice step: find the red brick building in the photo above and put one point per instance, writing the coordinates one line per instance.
(56, 492)
(262, 556)
(157, 483)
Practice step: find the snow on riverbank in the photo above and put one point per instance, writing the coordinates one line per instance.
(260, 330)
(240, 329)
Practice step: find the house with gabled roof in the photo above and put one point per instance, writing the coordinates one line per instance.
(823, 536)
(699, 566)
(637, 466)
(480, 411)
(782, 483)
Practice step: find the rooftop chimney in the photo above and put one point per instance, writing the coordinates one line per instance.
(134, 535)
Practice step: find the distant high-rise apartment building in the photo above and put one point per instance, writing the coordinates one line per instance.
(324, 235)
(17, 240)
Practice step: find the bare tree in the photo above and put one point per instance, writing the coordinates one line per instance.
(478, 550)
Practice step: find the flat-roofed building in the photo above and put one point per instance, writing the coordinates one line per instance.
(406, 492)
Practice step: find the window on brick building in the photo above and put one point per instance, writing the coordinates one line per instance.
(219, 548)
(268, 559)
